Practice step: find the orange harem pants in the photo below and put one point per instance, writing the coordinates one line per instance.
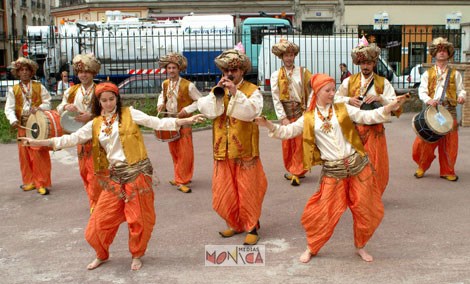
(448, 147)
(325, 207)
(182, 153)
(238, 188)
(111, 211)
(87, 172)
(35, 163)
(375, 145)
(292, 153)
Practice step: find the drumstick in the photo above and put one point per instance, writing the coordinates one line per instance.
(30, 129)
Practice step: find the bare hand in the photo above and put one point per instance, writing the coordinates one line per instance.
(182, 114)
(71, 107)
(227, 83)
(460, 100)
(370, 99)
(355, 102)
(15, 124)
(83, 117)
(285, 121)
(432, 102)
(262, 121)
(160, 108)
(190, 120)
(34, 110)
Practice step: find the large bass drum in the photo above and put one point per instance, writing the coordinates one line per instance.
(43, 125)
(432, 123)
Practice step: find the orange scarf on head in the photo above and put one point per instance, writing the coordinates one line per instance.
(318, 81)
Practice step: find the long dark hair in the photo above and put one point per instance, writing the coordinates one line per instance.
(96, 106)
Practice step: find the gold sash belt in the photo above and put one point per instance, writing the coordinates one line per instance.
(292, 109)
(343, 168)
(124, 173)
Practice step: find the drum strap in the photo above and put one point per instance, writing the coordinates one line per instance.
(446, 84)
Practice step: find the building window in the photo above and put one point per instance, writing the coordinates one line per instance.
(317, 28)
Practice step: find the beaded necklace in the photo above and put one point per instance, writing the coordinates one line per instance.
(172, 89)
(87, 94)
(326, 126)
(109, 124)
(441, 76)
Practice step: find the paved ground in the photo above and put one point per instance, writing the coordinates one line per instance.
(424, 237)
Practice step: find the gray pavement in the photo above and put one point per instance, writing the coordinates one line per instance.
(424, 236)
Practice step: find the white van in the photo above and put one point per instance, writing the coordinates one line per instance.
(322, 54)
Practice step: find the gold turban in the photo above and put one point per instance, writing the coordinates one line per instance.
(174, 58)
(233, 59)
(23, 62)
(284, 46)
(439, 44)
(86, 63)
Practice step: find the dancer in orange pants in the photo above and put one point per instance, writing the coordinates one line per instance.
(347, 181)
(24, 99)
(123, 169)
(77, 99)
(179, 99)
(291, 92)
(443, 85)
(238, 182)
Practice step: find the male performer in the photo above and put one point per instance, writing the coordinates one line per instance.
(77, 99)
(290, 88)
(238, 181)
(366, 87)
(440, 84)
(179, 97)
(24, 99)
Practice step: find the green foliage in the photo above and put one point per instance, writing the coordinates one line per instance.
(7, 134)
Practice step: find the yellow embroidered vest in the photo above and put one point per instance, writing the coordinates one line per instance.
(234, 138)
(36, 99)
(355, 85)
(183, 98)
(311, 155)
(451, 92)
(284, 95)
(72, 92)
(131, 140)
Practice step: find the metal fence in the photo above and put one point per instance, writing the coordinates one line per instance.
(126, 52)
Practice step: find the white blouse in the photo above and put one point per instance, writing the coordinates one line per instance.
(112, 144)
(332, 145)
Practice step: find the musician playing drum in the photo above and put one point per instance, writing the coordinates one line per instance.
(440, 85)
(77, 99)
(179, 97)
(366, 88)
(23, 99)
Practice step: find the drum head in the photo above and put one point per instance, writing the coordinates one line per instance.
(68, 122)
(439, 119)
(38, 126)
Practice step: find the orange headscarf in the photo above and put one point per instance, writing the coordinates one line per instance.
(317, 82)
(106, 87)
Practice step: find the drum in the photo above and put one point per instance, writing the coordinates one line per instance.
(167, 135)
(68, 122)
(43, 125)
(432, 123)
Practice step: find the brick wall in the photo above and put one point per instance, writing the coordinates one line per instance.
(464, 69)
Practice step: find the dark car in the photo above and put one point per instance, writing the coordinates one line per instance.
(142, 84)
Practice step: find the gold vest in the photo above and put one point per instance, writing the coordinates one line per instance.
(183, 98)
(283, 83)
(451, 92)
(36, 99)
(72, 92)
(311, 155)
(234, 138)
(355, 85)
(131, 140)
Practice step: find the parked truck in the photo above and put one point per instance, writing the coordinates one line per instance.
(127, 46)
